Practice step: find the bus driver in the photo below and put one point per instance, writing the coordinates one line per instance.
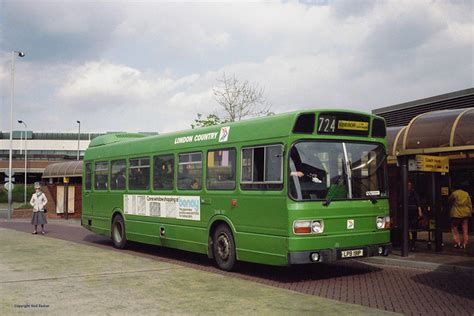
(309, 174)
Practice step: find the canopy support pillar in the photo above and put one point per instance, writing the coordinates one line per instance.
(404, 174)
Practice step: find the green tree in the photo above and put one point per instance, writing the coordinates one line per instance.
(17, 193)
(211, 119)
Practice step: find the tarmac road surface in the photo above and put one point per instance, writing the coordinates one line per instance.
(383, 288)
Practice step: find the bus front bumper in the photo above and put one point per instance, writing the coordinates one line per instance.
(335, 254)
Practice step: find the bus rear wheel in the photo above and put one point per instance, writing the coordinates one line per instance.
(224, 248)
(119, 238)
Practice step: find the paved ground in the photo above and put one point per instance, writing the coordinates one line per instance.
(449, 259)
(401, 290)
(49, 276)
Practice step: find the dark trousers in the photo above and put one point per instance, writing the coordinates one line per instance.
(413, 225)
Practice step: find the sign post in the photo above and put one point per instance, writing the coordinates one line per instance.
(426, 163)
(9, 186)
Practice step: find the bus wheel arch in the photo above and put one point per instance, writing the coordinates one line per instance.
(117, 232)
(216, 221)
(222, 245)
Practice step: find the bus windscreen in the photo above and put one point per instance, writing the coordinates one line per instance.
(317, 167)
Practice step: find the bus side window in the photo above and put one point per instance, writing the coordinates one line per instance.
(88, 182)
(220, 173)
(262, 168)
(163, 172)
(190, 171)
(139, 174)
(101, 175)
(117, 175)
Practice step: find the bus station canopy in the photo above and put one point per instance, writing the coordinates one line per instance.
(433, 132)
(63, 169)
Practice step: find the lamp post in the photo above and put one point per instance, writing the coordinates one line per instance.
(20, 54)
(78, 138)
(26, 154)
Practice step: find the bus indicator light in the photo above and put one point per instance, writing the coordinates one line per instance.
(302, 227)
(302, 230)
(234, 202)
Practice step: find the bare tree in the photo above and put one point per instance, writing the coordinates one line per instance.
(240, 99)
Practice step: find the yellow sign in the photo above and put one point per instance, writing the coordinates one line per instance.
(432, 163)
(65, 179)
(353, 125)
(445, 191)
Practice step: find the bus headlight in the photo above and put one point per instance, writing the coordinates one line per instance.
(308, 226)
(382, 222)
(317, 227)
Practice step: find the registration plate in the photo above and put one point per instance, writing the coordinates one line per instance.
(352, 253)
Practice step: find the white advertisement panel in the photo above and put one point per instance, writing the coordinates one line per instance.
(168, 206)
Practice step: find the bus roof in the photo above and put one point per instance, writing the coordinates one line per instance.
(268, 127)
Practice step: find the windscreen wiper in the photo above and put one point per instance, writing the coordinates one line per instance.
(332, 190)
(370, 196)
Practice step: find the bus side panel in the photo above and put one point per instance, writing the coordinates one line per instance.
(102, 205)
(86, 204)
(260, 212)
(258, 248)
(261, 224)
(189, 238)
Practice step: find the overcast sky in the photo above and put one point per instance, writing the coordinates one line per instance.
(151, 65)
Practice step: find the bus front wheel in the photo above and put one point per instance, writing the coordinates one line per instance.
(224, 248)
(118, 232)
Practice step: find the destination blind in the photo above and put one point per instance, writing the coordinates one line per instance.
(334, 123)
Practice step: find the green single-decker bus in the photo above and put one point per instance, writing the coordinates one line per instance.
(294, 188)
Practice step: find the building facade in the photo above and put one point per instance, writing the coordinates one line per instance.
(401, 114)
(40, 150)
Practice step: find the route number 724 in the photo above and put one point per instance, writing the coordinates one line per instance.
(327, 124)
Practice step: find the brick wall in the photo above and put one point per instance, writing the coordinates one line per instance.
(51, 195)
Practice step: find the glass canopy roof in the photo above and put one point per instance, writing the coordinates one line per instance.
(438, 131)
(63, 169)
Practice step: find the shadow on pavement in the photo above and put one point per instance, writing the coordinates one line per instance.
(290, 274)
(458, 283)
(308, 272)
